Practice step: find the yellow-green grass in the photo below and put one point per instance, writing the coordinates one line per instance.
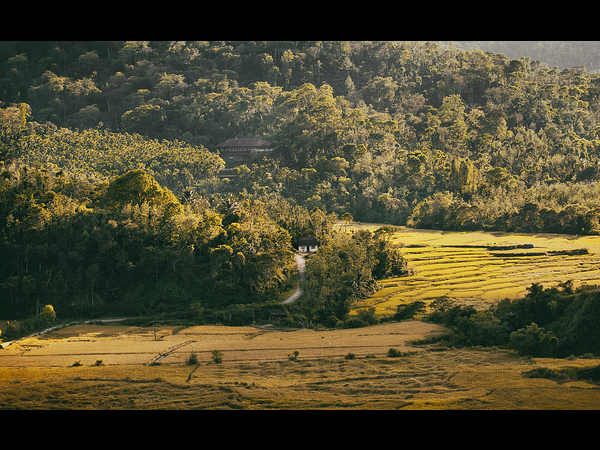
(454, 379)
(477, 275)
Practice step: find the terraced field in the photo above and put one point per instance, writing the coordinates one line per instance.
(481, 268)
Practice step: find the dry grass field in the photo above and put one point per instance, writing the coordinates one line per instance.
(102, 367)
(114, 370)
(458, 265)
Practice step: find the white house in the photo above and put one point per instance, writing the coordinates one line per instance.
(308, 245)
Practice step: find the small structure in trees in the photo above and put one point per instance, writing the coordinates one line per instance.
(308, 245)
(244, 149)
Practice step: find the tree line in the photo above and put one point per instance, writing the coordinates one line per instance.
(131, 246)
(110, 163)
(552, 322)
(383, 130)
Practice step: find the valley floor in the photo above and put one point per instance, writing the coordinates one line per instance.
(256, 372)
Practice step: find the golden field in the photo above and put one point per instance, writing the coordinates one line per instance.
(474, 275)
(256, 373)
(108, 366)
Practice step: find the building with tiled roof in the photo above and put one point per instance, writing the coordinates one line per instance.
(243, 149)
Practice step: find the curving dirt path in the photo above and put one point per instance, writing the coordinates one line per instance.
(300, 262)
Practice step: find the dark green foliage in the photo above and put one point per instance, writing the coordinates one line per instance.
(546, 322)
(345, 269)
(582, 331)
(566, 374)
(472, 327)
(217, 356)
(47, 314)
(552, 374)
(592, 373)
(192, 359)
(409, 310)
(15, 329)
(533, 340)
(134, 249)
(110, 199)
(379, 130)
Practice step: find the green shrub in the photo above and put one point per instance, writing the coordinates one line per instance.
(350, 356)
(48, 314)
(409, 310)
(591, 373)
(354, 322)
(394, 353)
(484, 328)
(294, 355)
(544, 372)
(568, 373)
(217, 356)
(367, 316)
(192, 359)
(533, 341)
(12, 330)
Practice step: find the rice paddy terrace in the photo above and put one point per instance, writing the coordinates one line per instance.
(481, 268)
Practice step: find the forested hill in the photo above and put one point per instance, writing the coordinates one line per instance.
(401, 132)
(562, 54)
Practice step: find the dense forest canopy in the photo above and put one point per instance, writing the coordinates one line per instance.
(112, 149)
(399, 132)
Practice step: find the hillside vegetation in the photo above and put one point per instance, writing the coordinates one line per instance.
(113, 197)
(398, 132)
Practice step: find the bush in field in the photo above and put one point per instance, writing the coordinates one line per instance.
(217, 356)
(354, 322)
(368, 316)
(48, 314)
(192, 359)
(408, 311)
(362, 319)
(484, 328)
(533, 340)
(394, 353)
(581, 333)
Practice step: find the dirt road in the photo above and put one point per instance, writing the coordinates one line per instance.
(298, 292)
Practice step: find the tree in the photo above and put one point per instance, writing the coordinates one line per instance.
(146, 119)
(137, 187)
(48, 314)
(534, 340)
